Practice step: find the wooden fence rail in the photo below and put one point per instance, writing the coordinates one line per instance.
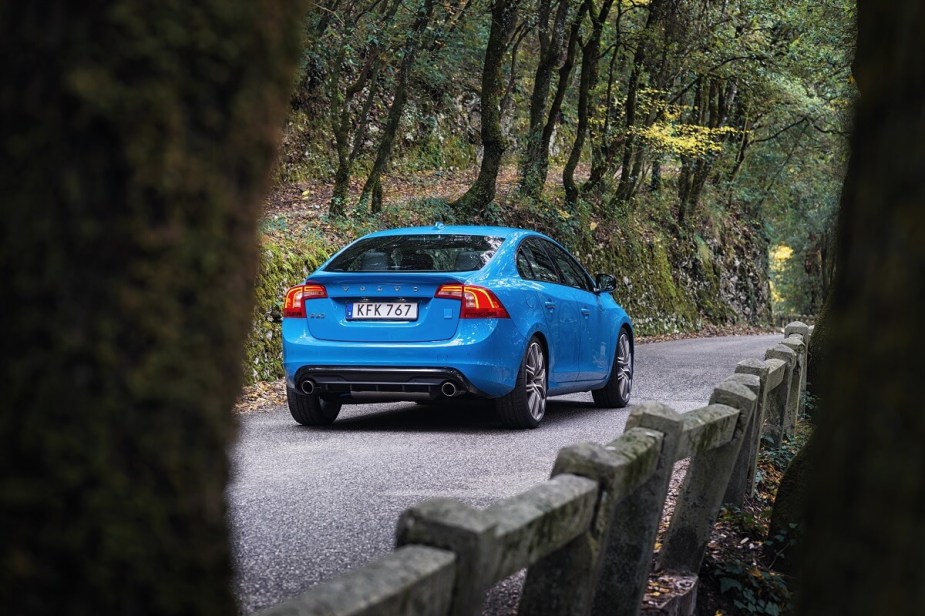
(586, 536)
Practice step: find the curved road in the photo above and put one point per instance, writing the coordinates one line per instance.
(306, 504)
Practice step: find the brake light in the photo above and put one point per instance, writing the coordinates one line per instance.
(477, 302)
(294, 306)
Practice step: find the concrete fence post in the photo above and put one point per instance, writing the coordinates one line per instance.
(752, 373)
(797, 327)
(628, 553)
(782, 413)
(797, 344)
(704, 485)
(564, 582)
(468, 532)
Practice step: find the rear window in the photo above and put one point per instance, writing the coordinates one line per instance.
(417, 253)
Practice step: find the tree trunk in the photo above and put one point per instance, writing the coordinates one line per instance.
(632, 95)
(865, 540)
(342, 121)
(590, 55)
(482, 191)
(384, 151)
(132, 169)
(551, 38)
(602, 147)
(372, 189)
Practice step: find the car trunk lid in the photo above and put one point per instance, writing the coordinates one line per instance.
(383, 307)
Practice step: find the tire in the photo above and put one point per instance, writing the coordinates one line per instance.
(525, 405)
(615, 394)
(311, 410)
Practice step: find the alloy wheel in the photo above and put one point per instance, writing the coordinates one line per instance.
(535, 380)
(624, 366)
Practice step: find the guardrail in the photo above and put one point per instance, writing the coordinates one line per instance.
(586, 537)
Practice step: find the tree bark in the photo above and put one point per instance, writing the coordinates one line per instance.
(551, 37)
(482, 191)
(602, 147)
(372, 189)
(590, 55)
(136, 145)
(342, 122)
(865, 540)
(342, 95)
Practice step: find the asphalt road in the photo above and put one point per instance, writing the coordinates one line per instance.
(307, 504)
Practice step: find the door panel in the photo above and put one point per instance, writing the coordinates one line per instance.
(593, 359)
(561, 310)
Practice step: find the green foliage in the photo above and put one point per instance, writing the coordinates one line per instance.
(751, 589)
(283, 263)
(741, 107)
(780, 457)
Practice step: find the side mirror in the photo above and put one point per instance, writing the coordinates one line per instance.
(605, 283)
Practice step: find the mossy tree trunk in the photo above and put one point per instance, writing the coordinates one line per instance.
(713, 102)
(372, 189)
(603, 145)
(623, 190)
(551, 37)
(590, 57)
(865, 539)
(134, 151)
(350, 120)
(342, 122)
(482, 191)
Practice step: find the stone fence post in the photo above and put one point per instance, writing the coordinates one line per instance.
(565, 582)
(742, 479)
(468, 532)
(705, 484)
(628, 553)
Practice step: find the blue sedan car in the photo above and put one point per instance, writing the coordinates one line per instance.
(433, 313)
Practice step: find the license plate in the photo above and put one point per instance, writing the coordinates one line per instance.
(382, 311)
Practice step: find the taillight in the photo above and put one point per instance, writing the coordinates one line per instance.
(294, 306)
(477, 302)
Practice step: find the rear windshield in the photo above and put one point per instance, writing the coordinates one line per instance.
(417, 253)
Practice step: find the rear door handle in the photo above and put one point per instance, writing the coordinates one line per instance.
(550, 306)
(585, 312)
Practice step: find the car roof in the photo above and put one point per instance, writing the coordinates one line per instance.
(441, 229)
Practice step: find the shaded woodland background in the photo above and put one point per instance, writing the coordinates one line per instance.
(137, 142)
(684, 112)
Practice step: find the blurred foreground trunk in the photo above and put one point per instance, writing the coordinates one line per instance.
(865, 539)
(134, 150)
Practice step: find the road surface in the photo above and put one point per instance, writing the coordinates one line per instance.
(307, 504)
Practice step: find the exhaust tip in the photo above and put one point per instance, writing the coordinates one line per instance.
(308, 386)
(449, 389)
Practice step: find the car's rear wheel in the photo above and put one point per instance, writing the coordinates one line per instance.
(525, 405)
(616, 392)
(311, 410)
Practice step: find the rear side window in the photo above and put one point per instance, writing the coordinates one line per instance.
(573, 274)
(417, 253)
(541, 266)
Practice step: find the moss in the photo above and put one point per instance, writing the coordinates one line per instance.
(284, 262)
(647, 283)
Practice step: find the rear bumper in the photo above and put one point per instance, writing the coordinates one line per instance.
(482, 359)
(380, 383)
